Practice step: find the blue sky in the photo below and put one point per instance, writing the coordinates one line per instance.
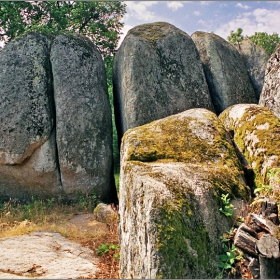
(219, 17)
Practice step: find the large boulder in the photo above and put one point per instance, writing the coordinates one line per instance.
(83, 118)
(270, 96)
(157, 73)
(255, 59)
(256, 133)
(27, 144)
(173, 172)
(225, 72)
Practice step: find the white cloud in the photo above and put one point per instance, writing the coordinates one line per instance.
(138, 13)
(202, 22)
(197, 13)
(175, 5)
(240, 5)
(140, 10)
(260, 20)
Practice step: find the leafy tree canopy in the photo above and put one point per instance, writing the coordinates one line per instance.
(99, 21)
(262, 39)
(268, 42)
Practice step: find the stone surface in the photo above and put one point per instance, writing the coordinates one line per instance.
(225, 72)
(104, 213)
(173, 172)
(45, 255)
(255, 59)
(270, 96)
(83, 118)
(27, 145)
(157, 73)
(256, 133)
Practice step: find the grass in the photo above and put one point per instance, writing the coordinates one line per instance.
(53, 215)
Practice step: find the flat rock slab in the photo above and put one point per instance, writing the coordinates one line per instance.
(45, 255)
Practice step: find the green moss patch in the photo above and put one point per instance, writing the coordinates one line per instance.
(257, 135)
(152, 32)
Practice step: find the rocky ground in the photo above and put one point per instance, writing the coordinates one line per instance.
(49, 255)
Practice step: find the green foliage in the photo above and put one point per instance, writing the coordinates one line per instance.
(235, 37)
(228, 259)
(264, 190)
(268, 42)
(36, 209)
(116, 153)
(104, 249)
(99, 21)
(87, 202)
(262, 39)
(227, 209)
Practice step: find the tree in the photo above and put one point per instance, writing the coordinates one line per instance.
(268, 42)
(262, 39)
(235, 37)
(99, 21)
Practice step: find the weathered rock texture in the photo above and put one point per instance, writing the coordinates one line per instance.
(157, 73)
(270, 96)
(55, 116)
(255, 59)
(173, 172)
(83, 116)
(27, 145)
(225, 72)
(256, 133)
(45, 255)
(104, 213)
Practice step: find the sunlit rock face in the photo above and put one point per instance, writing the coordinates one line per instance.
(157, 73)
(255, 59)
(225, 72)
(270, 96)
(173, 172)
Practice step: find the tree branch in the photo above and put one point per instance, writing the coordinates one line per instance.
(88, 19)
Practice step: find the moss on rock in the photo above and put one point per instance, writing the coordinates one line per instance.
(256, 132)
(173, 172)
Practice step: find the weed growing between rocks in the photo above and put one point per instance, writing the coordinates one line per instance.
(233, 262)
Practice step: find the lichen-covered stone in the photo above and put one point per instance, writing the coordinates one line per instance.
(173, 172)
(28, 162)
(270, 96)
(25, 97)
(104, 213)
(256, 133)
(225, 72)
(83, 118)
(255, 59)
(157, 73)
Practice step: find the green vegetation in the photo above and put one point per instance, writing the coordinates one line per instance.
(38, 210)
(99, 21)
(112, 248)
(262, 39)
(227, 209)
(235, 37)
(231, 254)
(270, 186)
(228, 259)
